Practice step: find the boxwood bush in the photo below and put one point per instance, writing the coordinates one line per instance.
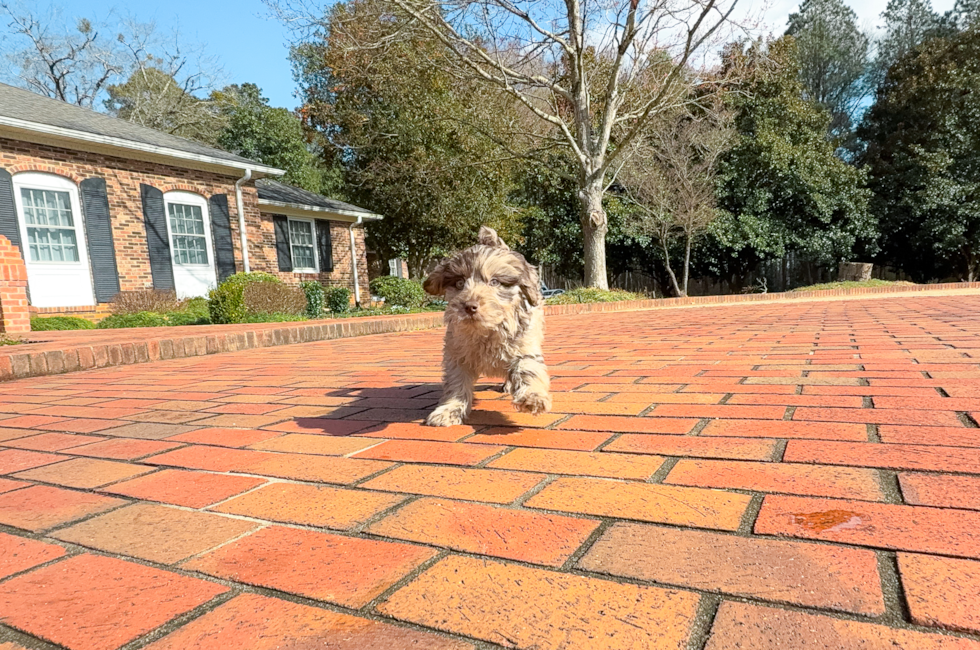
(141, 319)
(53, 323)
(314, 298)
(398, 292)
(227, 301)
(338, 300)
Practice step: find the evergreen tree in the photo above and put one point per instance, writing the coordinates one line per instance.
(907, 24)
(782, 187)
(833, 57)
(923, 155)
(273, 136)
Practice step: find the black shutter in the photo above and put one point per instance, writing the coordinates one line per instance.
(8, 211)
(224, 247)
(324, 248)
(285, 256)
(98, 230)
(157, 240)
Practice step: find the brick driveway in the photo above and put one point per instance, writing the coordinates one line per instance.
(799, 475)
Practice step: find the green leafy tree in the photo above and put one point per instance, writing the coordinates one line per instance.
(923, 156)
(833, 56)
(395, 122)
(274, 136)
(781, 187)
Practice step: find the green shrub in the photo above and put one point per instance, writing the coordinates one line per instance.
(338, 300)
(52, 323)
(398, 292)
(142, 319)
(227, 301)
(314, 298)
(179, 318)
(273, 318)
(587, 294)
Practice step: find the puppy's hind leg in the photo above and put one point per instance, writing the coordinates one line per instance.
(530, 385)
(457, 397)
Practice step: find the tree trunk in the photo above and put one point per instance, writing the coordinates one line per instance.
(594, 228)
(670, 271)
(687, 261)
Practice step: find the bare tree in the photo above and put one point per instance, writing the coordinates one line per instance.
(170, 86)
(71, 64)
(671, 178)
(581, 68)
(165, 83)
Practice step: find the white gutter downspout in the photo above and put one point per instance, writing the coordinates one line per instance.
(241, 216)
(353, 261)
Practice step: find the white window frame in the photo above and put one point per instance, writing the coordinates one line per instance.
(189, 198)
(316, 252)
(52, 183)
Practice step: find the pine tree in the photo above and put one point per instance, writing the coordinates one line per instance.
(833, 57)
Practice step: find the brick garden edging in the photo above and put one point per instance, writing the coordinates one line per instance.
(71, 351)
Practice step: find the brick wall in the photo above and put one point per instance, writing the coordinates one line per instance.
(341, 276)
(123, 177)
(14, 315)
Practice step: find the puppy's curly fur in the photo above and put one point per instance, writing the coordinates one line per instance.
(494, 327)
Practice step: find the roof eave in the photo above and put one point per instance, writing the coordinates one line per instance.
(174, 156)
(313, 210)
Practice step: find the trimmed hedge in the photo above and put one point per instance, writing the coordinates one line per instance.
(59, 323)
(398, 292)
(227, 301)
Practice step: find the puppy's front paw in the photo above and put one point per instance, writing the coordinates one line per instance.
(534, 403)
(445, 416)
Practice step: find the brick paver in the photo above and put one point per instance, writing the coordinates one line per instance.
(762, 476)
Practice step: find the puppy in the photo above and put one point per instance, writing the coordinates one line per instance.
(494, 327)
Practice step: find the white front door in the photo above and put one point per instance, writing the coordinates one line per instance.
(191, 249)
(52, 235)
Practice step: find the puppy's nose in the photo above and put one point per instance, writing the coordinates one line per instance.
(471, 307)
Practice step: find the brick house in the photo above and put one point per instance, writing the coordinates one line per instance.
(97, 205)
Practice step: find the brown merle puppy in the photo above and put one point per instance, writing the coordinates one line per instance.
(494, 327)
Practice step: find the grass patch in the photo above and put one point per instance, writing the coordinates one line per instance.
(6, 340)
(851, 284)
(387, 311)
(585, 294)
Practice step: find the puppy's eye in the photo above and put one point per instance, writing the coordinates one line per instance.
(495, 282)
(460, 283)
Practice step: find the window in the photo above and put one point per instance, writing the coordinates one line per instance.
(188, 234)
(51, 235)
(302, 244)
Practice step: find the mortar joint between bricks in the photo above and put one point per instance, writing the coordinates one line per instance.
(519, 502)
(790, 412)
(967, 420)
(661, 474)
(896, 606)
(751, 513)
(407, 578)
(586, 545)
(704, 620)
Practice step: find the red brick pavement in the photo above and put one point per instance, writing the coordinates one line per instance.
(772, 476)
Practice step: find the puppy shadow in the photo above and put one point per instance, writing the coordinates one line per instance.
(374, 409)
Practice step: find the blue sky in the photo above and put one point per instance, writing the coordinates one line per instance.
(252, 46)
(249, 43)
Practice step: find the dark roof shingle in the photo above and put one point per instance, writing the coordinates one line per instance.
(271, 190)
(24, 105)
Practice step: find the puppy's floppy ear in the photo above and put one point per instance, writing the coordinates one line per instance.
(435, 284)
(489, 237)
(529, 283)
